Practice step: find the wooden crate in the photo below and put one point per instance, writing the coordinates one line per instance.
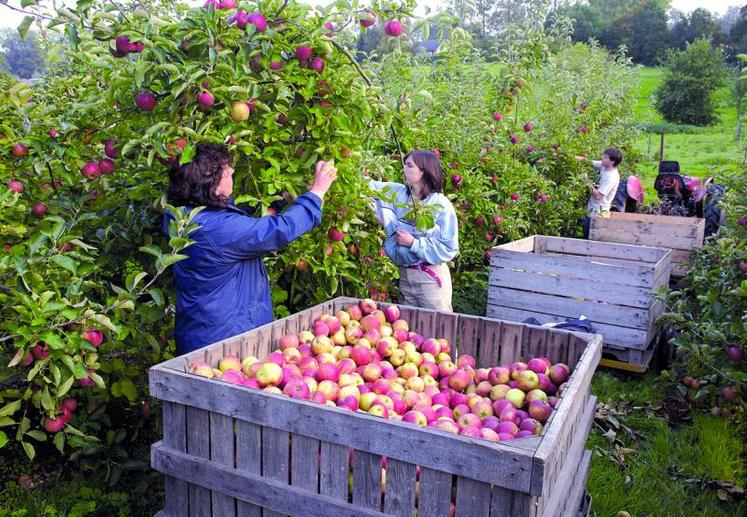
(232, 450)
(553, 279)
(680, 234)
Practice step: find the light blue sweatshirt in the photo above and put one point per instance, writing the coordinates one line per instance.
(434, 246)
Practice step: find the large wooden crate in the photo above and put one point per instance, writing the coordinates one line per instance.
(553, 279)
(232, 450)
(680, 234)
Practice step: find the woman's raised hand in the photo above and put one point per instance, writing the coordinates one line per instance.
(326, 174)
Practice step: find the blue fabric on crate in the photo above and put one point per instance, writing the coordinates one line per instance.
(577, 325)
(222, 289)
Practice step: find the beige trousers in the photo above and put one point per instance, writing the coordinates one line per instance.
(421, 290)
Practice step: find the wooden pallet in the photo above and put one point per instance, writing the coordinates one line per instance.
(232, 450)
(680, 234)
(637, 361)
(553, 279)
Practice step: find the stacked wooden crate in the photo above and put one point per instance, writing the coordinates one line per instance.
(680, 234)
(233, 450)
(554, 279)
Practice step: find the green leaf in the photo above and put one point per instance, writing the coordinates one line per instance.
(65, 387)
(167, 260)
(55, 370)
(188, 154)
(66, 262)
(128, 389)
(3, 439)
(30, 451)
(54, 341)
(6, 421)
(152, 249)
(133, 279)
(23, 30)
(59, 441)
(35, 369)
(10, 408)
(26, 3)
(157, 296)
(38, 435)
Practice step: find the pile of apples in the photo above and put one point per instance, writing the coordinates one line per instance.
(367, 359)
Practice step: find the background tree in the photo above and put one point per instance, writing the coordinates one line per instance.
(690, 80)
(737, 38)
(699, 24)
(20, 56)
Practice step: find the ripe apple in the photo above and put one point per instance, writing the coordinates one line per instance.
(393, 28)
(19, 150)
(229, 362)
(16, 186)
(269, 374)
(145, 101)
(240, 111)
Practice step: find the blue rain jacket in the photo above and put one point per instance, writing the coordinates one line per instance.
(222, 289)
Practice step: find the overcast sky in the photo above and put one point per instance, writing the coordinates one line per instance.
(9, 18)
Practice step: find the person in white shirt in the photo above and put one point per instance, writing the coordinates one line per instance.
(604, 192)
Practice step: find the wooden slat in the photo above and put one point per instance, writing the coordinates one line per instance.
(631, 296)
(275, 458)
(489, 335)
(620, 336)
(260, 491)
(557, 348)
(477, 459)
(435, 493)
(305, 462)
(447, 326)
(198, 445)
(537, 341)
(617, 315)
(565, 472)
(512, 337)
(334, 469)
(248, 460)
(508, 503)
(658, 234)
(367, 480)
(557, 435)
(222, 452)
(526, 245)
(602, 249)
(472, 499)
(579, 487)
(175, 437)
(588, 269)
(467, 336)
(399, 498)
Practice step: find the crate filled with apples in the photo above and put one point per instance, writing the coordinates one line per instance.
(465, 414)
(370, 360)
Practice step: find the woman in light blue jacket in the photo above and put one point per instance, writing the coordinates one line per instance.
(422, 256)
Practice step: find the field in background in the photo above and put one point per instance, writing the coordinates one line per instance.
(703, 153)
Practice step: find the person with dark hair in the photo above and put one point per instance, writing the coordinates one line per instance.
(602, 195)
(222, 288)
(422, 256)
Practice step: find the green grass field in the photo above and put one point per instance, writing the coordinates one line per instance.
(704, 153)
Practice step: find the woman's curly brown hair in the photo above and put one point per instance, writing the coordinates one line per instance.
(194, 183)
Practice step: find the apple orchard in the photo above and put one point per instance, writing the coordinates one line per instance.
(85, 293)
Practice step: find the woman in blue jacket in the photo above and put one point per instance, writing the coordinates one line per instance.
(222, 289)
(422, 256)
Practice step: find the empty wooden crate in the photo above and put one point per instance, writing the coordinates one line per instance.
(232, 450)
(554, 279)
(680, 234)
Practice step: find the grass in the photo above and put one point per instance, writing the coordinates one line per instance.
(667, 470)
(702, 153)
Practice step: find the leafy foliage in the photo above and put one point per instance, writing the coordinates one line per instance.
(692, 76)
(708, 313)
